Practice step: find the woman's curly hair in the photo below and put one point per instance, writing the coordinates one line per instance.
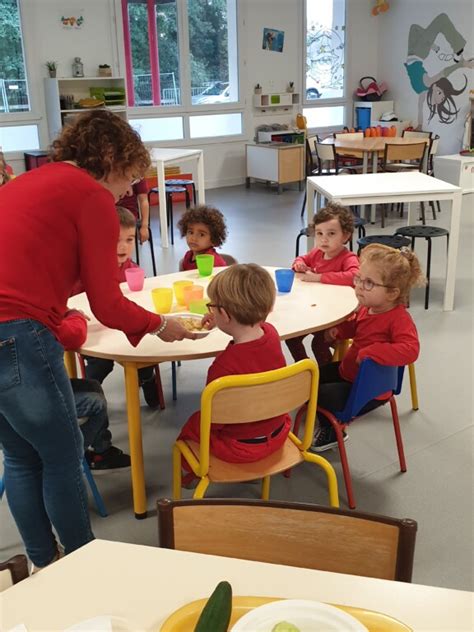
(210, 217)
(101, 143)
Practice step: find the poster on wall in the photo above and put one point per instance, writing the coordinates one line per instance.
(273, 40)
(437, 65)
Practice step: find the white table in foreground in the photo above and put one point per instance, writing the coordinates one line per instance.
(161, 156)
(387, 188)
(144, 585)
(309, 307)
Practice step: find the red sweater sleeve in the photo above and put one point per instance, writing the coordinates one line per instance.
(72, 331)
(403, 348)
(349, 268)
(347, 329)
(308, 259)
(98, 272)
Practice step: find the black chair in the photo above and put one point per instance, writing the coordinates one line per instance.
(150, 241)
(184, 182)
(169, 190)
(394, 241)
(424, 232)
(359, 223)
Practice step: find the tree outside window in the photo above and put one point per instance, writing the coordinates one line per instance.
(13, 85)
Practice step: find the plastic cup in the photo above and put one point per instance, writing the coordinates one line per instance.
(205, 264)
(162, 299)
(192, 293)
(284, 279)
(199, 307)
(178, 287)
(135, 279)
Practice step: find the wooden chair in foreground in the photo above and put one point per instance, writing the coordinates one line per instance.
(237, 399)
(13, 571)
(293, 534)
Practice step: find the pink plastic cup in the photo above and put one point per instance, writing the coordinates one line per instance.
(192, 293)
(135, 278)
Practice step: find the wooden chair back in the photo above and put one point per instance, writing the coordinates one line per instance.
(398, 152)
(415, 134)
(13, 571)
(349, 135)
(293, 534)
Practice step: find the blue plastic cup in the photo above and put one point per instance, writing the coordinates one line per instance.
(284, 279)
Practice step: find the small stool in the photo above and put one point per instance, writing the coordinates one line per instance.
(184, 182)
(169, 190)
(304, 232)
(359, 223)
(425, 232)
(150, 241)
(394, 241)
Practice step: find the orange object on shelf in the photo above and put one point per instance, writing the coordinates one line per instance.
(367, 132)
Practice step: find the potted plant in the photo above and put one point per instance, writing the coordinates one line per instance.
(105, 70)
(52, 66)
(291, 86)
(258, 89)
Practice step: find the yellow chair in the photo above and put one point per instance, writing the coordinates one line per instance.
(340, 351)
(236, 399)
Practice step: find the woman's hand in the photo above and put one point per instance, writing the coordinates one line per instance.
(144, 234)
(330, 334)
(175, 331)
(208, 321)
(300, 266)
(311, 277)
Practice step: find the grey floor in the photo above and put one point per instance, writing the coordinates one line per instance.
(437, 489)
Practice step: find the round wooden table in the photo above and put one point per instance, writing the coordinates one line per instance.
(308, 307)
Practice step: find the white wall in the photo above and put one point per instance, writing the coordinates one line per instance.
(392, 51)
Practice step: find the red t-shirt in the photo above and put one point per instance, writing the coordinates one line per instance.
(60, 225)
(72, 332)
(339, 270)
(131, 201)
(78, 287)
(189, 261)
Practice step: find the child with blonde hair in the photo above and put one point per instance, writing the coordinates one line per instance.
(6, 173)
(241, 298)
(329, 262)
(382, 330)
(205, 230)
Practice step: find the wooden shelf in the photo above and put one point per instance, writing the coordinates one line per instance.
(274, 100)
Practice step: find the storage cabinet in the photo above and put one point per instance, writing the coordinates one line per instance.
(284, 100)
(58, 92)
(456, 169)
(275, 162)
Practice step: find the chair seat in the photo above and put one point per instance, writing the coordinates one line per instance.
(169, 189)
(222, 471)
(360, 221)
(394, 241)
(179, 182)
(399, 166)
(422, 231)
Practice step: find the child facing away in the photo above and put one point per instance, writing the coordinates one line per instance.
(91, 405)
(382, 330)
(205, 230)
(99, 368)
(6, 172)
(329, 262)
(241, 298)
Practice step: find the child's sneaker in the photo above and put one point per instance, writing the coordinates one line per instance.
(325, 439)
(112, 459)
(150, 392)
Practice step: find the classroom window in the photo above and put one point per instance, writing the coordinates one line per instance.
(157, 48)
(215, 125)
(331, 116)
(162, 128)
(13, 83)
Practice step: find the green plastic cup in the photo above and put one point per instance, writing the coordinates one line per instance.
(199, 306)
(205, 264)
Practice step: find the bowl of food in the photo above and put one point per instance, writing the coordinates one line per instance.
(192, 323)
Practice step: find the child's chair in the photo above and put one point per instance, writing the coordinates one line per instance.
(236, 399)
(372, 380)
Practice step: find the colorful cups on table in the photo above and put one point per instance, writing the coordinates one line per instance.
(162, 299)
(284, 279)
(205, 264)
(192, 293)
(178, 287)
(199, 307)
(135, 278)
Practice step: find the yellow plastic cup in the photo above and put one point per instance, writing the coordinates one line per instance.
(192, 293)
(162, 299)
(199, 307)
(178, 287)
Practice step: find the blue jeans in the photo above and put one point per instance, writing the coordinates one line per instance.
(41, 442)
(91, 403)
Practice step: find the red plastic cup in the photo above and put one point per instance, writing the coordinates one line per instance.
(135, 279)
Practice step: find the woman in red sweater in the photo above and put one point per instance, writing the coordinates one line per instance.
(59, 225)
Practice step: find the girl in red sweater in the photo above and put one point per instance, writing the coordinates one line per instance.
(330, 262)
(382, 329)
(205, 230)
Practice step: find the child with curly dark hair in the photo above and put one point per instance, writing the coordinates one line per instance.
(205, 230)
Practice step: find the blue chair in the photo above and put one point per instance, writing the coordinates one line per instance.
(99, 503)
(372, 380)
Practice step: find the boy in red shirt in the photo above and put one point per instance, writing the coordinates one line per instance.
(241, 299)
(382, 330)
(136, 201)
(330, 262)
(205, 230)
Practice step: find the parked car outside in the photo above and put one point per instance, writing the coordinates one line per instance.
(219, 92)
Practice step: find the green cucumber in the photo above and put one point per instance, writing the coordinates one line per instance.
(215, 616)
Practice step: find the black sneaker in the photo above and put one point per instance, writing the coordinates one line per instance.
(325, 439)
(112, 459)
(150, 392)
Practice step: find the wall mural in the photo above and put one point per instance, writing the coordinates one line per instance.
(436, 90)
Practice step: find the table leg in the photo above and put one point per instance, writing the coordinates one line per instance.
(454, 229)
(365, 168)
(160, 172)
(70, 362)
(411, 213)
(375, 164)
(200, 178)
(135, 440)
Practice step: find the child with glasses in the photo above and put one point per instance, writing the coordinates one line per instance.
(329, 262)
(382, 330)
(241, 298)
(205, 230)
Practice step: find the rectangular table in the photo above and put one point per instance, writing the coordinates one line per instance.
(387, 188)
(143, 585)
(161, 156)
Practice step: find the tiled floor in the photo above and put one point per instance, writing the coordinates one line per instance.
(437, 490)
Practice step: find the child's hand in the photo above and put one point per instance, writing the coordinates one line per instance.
(300, 266)
(144, 234)
(311, 277)
(208, 321)
(330, 334)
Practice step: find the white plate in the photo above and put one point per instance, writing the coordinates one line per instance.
(104, 623)
(199, 333)
(307, 616)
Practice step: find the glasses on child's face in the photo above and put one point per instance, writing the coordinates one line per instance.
(368, 284)
(213, 306)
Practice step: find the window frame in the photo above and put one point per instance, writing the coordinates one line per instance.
(345, 101)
